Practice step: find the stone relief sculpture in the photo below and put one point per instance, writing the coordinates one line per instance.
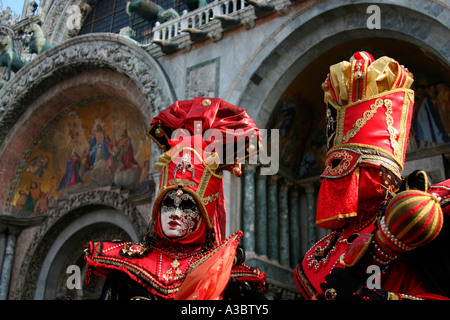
(102, 51)
(38, 42)
(8, 17)
(31, 10)
(9, 58)
(149, 11)
(194, 4)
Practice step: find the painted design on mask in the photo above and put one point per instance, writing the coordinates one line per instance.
(179, 214)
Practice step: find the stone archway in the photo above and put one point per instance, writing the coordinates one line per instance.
(312, 38)
(315, 29)
(98, 222)
(84, 53)
(60, 18)
(75, 219)
(76, 72)
(88, 66)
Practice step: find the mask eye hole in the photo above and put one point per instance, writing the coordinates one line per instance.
(335, 163)
(187, 204)
(168, 202)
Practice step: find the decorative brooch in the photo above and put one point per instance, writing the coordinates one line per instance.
(184, 165)
(134, 250)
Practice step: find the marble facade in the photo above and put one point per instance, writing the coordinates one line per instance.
(257, 64)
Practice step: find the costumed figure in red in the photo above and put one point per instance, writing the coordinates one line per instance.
(377, 218)
(186, 255)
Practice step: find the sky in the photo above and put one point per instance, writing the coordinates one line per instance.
(16, 5)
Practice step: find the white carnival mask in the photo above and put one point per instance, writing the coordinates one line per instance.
(179, 214)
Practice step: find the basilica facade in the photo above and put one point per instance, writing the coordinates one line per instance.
(83, 79)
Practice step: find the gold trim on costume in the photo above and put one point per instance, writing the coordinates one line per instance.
(367, 115)
(211, 198)
(404, 116)
(141, 273)
(306, 286)
(398, 146)
(339, 216)
(182, 182)
(165, 176)
(203, 183)
(207, 255)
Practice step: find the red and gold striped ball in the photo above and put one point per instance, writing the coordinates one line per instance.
(414, 217)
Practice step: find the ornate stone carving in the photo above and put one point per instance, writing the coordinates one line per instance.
(64, 211)
(8, 17)
(88, 52)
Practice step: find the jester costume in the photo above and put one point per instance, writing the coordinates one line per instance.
(199, 264)
(376, 217)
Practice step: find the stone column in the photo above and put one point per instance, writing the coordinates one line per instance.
(294, 226)
(154, 179)
(10, 227)
(309, 190)
(8, 260)
(261, 215)
(272, 219)
(283, 222)
(249, 209)
(2, 245)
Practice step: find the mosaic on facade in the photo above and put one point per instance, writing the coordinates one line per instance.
(302, 136)
(102, 143)
(431, 118)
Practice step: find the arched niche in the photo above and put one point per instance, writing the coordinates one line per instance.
(294, 60)
(90, 72)
(59, 242)
(80, 71)
(67, 250)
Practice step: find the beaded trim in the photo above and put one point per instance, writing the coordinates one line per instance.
(320, 253)
(141, 273)
(392, 237)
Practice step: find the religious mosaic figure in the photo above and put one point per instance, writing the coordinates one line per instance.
(186, 255)
(378, 219)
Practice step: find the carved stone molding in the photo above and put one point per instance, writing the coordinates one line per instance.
(93, 51)
(62, 214)
(58, 18)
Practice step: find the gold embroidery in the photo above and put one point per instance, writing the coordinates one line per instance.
(203, 183)
(391, 130)
(141, 273)
(174, 267)
(211, 198)
(345, 158)
(165, 173)
(408, 98)
(402, 137)
(368, 114)
(182, 182)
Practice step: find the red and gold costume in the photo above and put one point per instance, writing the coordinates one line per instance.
(376, 217)
(202, 264)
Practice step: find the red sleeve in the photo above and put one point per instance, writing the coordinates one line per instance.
(401, 280)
